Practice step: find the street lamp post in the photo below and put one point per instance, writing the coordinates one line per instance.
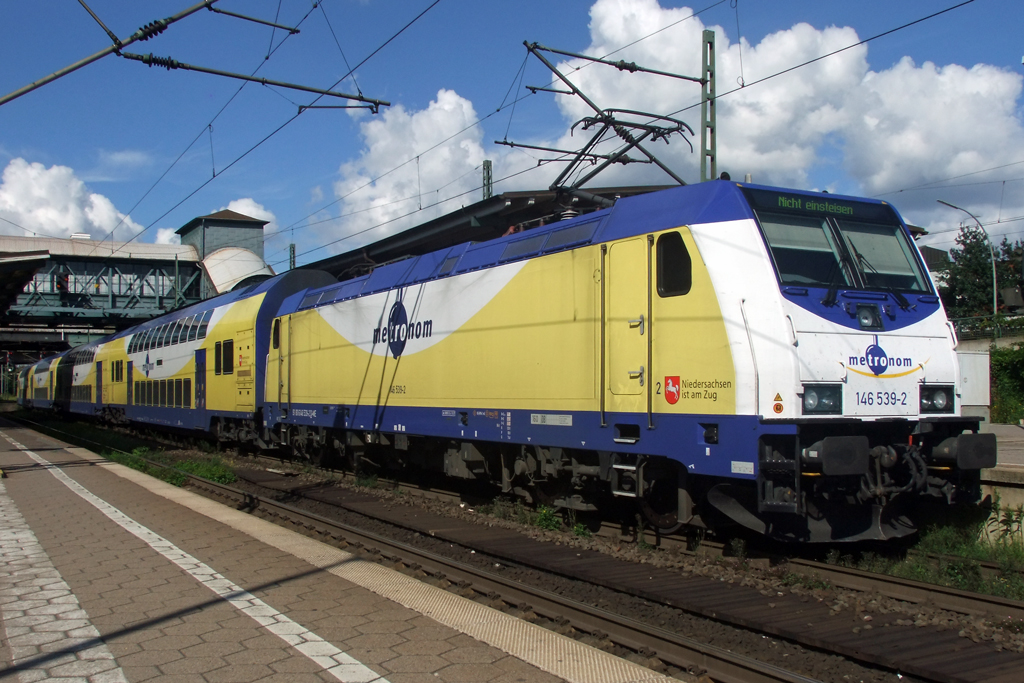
(991, 249)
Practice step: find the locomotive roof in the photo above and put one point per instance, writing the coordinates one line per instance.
(709, 202)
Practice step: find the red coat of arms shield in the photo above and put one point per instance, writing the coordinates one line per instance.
(672, 391)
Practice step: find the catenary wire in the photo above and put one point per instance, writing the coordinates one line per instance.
(199, 135)
(825, 56)
(295, 225)
(397, 218)
(278, 129)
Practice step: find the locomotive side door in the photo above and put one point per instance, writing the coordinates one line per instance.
(200, 383)
(627, 325)
(245, 351)
(99, 382)
(285, 367)
(131, 386)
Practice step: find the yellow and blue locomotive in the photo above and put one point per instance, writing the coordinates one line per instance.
(717, 352)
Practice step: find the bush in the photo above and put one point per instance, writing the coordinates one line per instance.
(1007, 383)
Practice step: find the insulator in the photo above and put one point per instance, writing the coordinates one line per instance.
(153, 28)
(166, 62)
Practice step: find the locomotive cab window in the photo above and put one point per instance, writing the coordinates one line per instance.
(833, 242)
(276, 335)
(805, 251)
(675, 270)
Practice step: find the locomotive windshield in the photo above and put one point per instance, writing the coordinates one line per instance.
(837, 243)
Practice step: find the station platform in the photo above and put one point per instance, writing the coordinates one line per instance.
(109, 576)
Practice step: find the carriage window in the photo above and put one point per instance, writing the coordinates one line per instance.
(216, 358)
(205, 323)
(675, 270)
(178, 327)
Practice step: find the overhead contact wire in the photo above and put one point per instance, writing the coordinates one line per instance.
(279, 128)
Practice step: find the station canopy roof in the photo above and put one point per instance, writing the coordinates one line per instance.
(479, 222)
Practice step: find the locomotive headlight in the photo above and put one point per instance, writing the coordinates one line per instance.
(823, 399)
(936, 399)
(810, 400)
(869, 317)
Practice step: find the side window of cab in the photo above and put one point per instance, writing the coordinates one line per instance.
(675, 269)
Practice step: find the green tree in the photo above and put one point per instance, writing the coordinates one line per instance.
(967, 291)
(968, 288)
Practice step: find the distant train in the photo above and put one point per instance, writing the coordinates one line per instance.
(715, 353)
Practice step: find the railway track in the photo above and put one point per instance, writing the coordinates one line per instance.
(639, 640)
(649, 645)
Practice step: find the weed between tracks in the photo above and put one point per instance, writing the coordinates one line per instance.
(951, 552)
(171, 469)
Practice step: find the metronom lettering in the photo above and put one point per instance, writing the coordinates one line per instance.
(403, 332)
(881, 361)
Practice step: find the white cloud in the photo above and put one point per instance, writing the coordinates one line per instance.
(448, 170)
(167, 236)
(53, 202)
(247, 206)
(116, 165)
(835, 123)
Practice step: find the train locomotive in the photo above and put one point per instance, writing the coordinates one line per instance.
(721, 353)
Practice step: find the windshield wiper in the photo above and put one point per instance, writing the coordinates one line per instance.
(834, 280)
(901, 300)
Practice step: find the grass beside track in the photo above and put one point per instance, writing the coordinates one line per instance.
(124, 449)
(957, 550)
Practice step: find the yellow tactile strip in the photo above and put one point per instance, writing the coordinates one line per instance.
(550, 652)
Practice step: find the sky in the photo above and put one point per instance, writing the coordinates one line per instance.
(122, 150)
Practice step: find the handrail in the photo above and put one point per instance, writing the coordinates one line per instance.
(988, 326)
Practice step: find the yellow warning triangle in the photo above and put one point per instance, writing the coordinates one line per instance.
(778, 397)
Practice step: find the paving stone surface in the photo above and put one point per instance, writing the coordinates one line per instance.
(49, 636)
(154, 620)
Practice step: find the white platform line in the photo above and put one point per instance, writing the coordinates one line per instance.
(556, 654)
(49, 634)
(342, 666)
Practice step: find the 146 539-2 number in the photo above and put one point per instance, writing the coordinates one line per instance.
(881, 398)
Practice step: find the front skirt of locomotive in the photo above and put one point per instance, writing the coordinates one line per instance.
(840, 524)
(851, 486)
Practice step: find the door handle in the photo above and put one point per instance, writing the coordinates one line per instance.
(639, 322)
(637, 374)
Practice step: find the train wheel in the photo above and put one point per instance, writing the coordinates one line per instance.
(659, 503)
(551, 493)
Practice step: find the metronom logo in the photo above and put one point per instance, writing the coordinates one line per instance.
(398, 330)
